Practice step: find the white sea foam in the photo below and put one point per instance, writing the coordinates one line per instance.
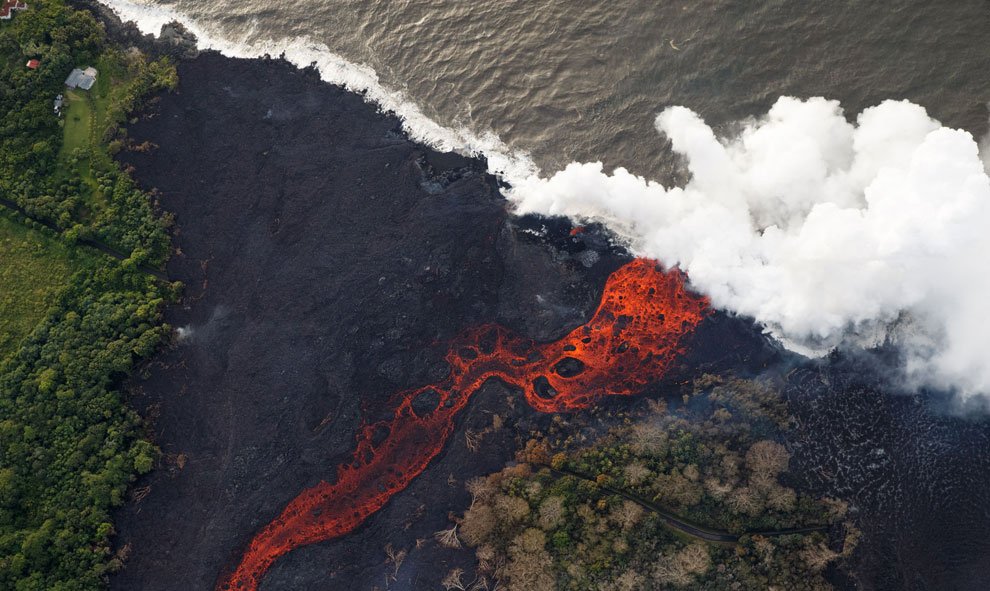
(820, 229)
(304, 51)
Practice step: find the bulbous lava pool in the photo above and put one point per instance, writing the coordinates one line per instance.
(631, 341)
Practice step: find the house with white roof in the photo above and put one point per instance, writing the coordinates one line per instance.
(83, 79)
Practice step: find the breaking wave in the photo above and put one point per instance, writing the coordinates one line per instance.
(304, 51)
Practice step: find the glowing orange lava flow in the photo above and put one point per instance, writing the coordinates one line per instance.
(631, 340)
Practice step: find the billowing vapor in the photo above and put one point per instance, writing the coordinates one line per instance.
(820, 229)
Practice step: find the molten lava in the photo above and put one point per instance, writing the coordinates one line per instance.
(635, 334)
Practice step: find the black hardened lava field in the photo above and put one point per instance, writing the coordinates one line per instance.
(328, 261)
(323, 255)
(359, 295)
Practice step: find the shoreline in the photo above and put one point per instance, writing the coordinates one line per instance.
(305, 54)
(179, 43)
(324, 404)
(323, 253)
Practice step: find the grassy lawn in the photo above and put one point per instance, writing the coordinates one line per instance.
(78, 124)
(85, 121)
(34, 267)
(77, 143)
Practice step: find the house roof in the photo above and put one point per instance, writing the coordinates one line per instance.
(7, 7)
(75, 77)
(33, 64)
(81, 79)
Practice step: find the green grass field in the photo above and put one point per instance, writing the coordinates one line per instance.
(34, 267)
(78, 123)
(85, 120)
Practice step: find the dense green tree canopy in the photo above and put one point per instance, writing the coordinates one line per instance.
(69, 445)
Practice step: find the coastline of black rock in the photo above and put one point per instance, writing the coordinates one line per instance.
(325, 254)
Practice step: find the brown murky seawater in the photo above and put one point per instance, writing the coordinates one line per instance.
(570, 80)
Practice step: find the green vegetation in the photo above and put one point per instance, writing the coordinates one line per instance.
(73, 322)
(78, 122)
(34, 268)
(537, 525)
(92, 120)
(61, 170)
(69, 444)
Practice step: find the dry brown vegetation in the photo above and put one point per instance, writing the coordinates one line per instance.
(534, 528)
(448, 538)
(682, 567)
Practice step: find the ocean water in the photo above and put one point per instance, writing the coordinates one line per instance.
(568, 80)
(820, 230)
(535, 86)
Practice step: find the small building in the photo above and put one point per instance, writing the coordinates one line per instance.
(59, 101)
(83, 79)
(33, 64)
(7, 8)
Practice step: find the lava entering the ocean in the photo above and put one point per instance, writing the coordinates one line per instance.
(631, 340)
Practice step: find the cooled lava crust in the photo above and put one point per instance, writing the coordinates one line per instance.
(330, 262)
(632, 339)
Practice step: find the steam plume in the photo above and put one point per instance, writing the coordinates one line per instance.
(820, 229)
(817, 228)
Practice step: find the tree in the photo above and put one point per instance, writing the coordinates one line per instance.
(551, 512)
(767, 458)
(68, 443)
(478, 524)
(682, 567)
(529, 564)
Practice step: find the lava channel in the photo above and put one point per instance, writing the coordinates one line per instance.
(632, 339)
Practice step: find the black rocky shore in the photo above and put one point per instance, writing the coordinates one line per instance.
(324, 254)
(327, 258)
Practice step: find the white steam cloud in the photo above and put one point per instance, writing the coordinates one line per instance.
(820, 229)
(817, 228)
